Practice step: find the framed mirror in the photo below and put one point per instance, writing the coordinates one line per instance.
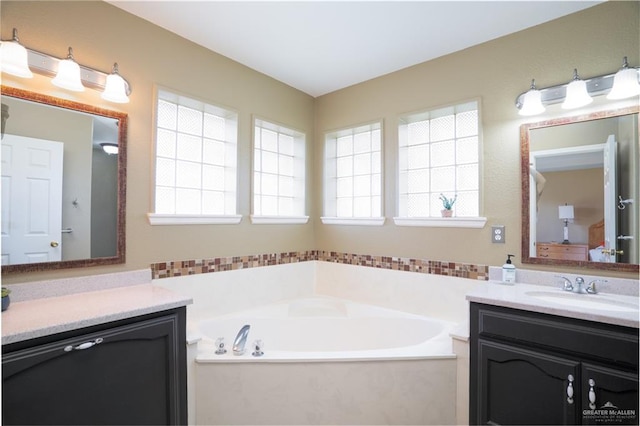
(63, 194)
(580, 191)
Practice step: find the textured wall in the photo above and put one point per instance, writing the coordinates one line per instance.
(594, 40)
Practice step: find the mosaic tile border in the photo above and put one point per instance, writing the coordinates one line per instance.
(204, 266)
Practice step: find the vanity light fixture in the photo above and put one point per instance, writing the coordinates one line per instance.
(625, 83)
(68, 76)
(577, 95)
(620, 85)
(532, 102)
(13, 57)
(109, 148)
(114, 87)
(565, 213)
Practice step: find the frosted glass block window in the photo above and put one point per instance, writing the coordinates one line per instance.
(278, 170)
(438, 153)
(196, 157)
(353, 172)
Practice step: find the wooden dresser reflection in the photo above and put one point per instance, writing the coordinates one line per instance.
(563, 251)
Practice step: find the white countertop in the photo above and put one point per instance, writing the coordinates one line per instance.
(41, 317)
(520, 296)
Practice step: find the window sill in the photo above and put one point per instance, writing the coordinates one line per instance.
(193, 219)
(279, 220)
(361, 221)
(442, 222)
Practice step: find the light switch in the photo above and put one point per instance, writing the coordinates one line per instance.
(497, 234)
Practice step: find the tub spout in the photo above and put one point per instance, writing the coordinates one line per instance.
(241, 340)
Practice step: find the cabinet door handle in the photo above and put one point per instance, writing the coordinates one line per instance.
(592, 394)
(570, 389)
(83, 346)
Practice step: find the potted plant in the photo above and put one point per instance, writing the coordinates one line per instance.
(447, 203)
(5, 298)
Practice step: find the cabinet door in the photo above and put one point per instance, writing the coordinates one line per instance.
(520, 386)
(124, 375)
(609, 396)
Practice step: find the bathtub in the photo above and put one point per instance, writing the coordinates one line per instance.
(326, 361)
(322, 329)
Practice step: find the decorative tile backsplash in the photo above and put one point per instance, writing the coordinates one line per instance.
(217, 264)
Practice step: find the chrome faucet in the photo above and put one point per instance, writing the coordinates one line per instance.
(579, 284)
(578, 287)
(241, 340)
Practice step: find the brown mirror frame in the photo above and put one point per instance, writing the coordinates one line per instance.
(122, 182)
(524, 177)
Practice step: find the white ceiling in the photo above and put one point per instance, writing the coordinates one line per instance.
(322, 46)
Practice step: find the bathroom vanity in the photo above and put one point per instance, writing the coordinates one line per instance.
(538, 359)
(104, 357)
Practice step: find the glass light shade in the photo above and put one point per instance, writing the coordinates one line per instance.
(625, 84)
(532, 103)
(115, 90)
(577, 94)
(68, 76)
(14, 59)
(109, 148)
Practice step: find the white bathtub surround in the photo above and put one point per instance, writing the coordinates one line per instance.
(624, 286)
(224, 292)
(265, 391)
(367, 392)
(435, 296)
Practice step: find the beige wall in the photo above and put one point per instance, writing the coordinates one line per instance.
(495, 73)
(148, 55)
(594, 41)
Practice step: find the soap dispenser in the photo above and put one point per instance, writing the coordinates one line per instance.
(509, 271)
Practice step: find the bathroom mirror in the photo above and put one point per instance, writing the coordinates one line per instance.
(63, 195)
(590, 163)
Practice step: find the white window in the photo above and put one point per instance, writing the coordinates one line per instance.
(196, 162)
(439, 155)
(278, 174)
(353, 176)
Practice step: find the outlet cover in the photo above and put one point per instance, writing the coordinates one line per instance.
(497, 234)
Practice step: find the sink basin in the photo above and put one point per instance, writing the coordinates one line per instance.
(585, 301)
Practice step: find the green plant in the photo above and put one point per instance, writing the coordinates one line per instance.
(5, 292)
(448, 203)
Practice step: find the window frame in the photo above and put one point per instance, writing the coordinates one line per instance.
(329, 176)
(299, 141)
(185, 100)
(434, 221)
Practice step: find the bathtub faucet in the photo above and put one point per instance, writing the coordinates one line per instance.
(241, 340)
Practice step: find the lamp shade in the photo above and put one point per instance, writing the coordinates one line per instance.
(532, 102)
(14, 58)
(625, 83)
(68, 76)
(565, 212)
(115, 89)
(577, 94)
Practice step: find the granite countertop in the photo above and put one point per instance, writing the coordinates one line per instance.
(45, 316)
(551, 300)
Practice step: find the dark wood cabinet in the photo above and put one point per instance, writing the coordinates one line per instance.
(530, 368)
(127, 372)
